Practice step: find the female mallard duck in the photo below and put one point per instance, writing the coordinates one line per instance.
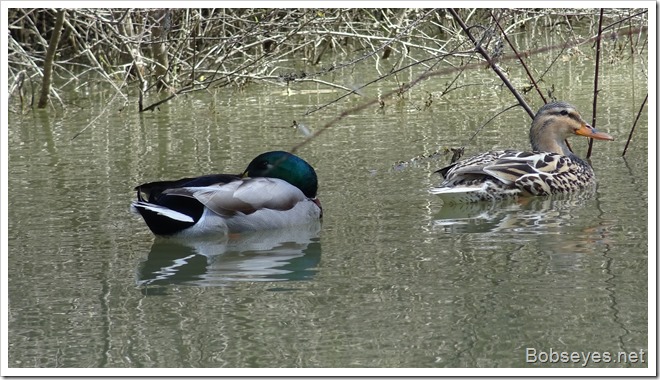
(549, 168)
(278, 189)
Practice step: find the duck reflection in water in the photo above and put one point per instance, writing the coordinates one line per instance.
(290, 254)
(531, 215)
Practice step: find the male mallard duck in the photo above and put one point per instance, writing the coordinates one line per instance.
(549, 168)
(278, 189)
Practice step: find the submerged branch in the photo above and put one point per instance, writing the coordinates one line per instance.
(639, 113)
(596, 90)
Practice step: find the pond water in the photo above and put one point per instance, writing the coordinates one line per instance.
(390, 278)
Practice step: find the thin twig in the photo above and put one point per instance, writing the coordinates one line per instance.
(422, 77)
(596, 90)
(639, 113)
(492, 64)
(358, 108)
(103, 111)
(522, 62)
(357, 90)
(491, 119)
(624, 19)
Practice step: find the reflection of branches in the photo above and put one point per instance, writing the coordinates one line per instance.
(428, 75)
(161, 54)
(596, 90)
(379, 78)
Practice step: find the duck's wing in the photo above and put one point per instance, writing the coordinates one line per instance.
(537, 173)
(246, 195)
(506, 166)
(143, 206)
(468, 180)
(512, 165)
(557, 173)
(166, 214)
(501, 174)
(470, 168)
(152, 191)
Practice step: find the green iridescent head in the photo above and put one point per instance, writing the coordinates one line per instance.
(285, 166)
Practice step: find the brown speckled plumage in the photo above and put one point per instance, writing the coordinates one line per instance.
(550, 168)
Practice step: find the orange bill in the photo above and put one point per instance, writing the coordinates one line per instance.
(589, 131)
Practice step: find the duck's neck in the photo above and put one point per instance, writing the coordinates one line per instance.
(552, 145)
(557, 146)
(545, 139)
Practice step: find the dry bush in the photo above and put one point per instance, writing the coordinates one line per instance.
(161, 53)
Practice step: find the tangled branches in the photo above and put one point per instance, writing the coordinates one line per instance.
(163, 53)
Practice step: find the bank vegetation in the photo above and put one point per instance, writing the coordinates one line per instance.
(149, 57)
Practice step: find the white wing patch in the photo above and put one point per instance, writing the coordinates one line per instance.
(163, 211)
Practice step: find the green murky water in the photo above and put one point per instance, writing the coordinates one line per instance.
(391, 278)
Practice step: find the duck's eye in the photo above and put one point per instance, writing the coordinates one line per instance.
(564, 112)
(263, 165)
